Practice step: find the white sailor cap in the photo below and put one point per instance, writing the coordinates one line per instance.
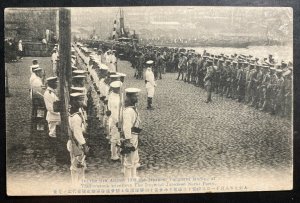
(114, 76)
(288, 72)
(132, 90)
(77, 95)
(121, 74)
(36, 69)
(34, 66)
(103, 67)
(79, 72)
(79, 77)
(150, 62)
(74, 68)
(52, 79)
(78, 89)
(116, 84)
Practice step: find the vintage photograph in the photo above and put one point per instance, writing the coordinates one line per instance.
(148, 100)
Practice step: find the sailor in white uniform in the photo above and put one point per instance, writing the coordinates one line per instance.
(53, 118)
(36, 90)
(150, 84)
(112, 66)
(115, 107)
(77, 144)
(131, 130)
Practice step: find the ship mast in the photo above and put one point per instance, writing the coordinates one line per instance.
(122, 24)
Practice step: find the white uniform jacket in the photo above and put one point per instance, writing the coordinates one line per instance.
(150, 83)
(131, 119)
(77, 127)
(49, 98)
(36, 84)
(115, 106)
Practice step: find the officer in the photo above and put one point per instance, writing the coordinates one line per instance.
(77, 144)
(115, 107)
(53, 118)
(36, 88)
(208, 79)
(150, 84)
(131, 130)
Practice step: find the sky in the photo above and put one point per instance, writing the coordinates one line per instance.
(183, 20)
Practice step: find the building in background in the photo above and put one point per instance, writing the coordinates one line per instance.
(36, 27)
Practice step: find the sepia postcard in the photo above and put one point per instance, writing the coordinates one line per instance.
(148, 100)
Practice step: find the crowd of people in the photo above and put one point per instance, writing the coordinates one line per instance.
(95, 83)
(14, 50)
(97, 86)
(261, 83)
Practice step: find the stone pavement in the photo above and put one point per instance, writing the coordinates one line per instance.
(183, 135)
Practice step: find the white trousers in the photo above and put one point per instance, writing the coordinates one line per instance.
(150, 91)
(54, 67)
(131, 161)
(52, 127)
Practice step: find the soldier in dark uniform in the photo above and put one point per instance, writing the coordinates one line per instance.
(208, 80)
(140, 65)
(201, 70)
(175, 62)
(233, 85)
(250, 83)
(218, 76)
(271, 90)
(241, 83)
(181, 66)
(194, 68)
(227, 72)
(279, 102)
(264, 85)
(288, 84)
(158, 66)
(257, 80)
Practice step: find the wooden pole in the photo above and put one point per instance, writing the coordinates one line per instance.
(64, 66)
